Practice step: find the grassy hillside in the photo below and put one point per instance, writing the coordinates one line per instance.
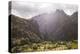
(46, 46)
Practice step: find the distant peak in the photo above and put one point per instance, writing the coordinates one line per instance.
(59, 11)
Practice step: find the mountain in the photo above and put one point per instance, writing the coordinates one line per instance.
(57, 25)
(44, 27)
(23, 31)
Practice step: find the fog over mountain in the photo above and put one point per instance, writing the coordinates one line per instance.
(28, 10)
(53, 20)
(58, 24)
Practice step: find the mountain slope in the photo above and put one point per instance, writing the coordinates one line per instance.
(23, 31)
(57, 25)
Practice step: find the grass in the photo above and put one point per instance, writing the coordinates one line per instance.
(46, 45)
(74, 44)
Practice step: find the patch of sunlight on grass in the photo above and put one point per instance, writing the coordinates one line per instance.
(74, 45)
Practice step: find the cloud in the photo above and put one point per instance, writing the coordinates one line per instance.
(30, 9)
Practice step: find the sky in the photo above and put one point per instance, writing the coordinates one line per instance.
(28, 10)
